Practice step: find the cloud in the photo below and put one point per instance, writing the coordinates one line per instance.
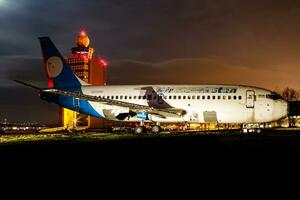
(172, 41)
(25, 68)
(201, 71)
(23, 104)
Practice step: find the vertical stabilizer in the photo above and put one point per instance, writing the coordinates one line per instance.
(59, 73)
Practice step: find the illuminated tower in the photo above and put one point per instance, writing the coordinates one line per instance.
(90, 69)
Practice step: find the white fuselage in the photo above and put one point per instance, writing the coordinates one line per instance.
(202, 103)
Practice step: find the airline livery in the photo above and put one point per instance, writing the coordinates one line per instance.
(157, 103)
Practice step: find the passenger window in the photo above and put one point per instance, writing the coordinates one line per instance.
(198, 97)
(140, 97)
(183, 97)
(117, 97)
(125, 97)
(203, 97)
(134, 97)
(224, 97)
(229, 97)
(193, 97)
(144, 97)
(129, 97)
(121, 97)
(219, 97)
(170, 97)
(174, 97)
(208, 97)
(240, 97)
(234, 97)
(189, 97)
(179, 97)
(112, 97)
(165, 97)
(213, 97)
(149, 97)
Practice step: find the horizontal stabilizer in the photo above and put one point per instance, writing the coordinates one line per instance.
(28, 85)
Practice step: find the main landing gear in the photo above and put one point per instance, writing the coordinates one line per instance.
(142, 129)
(155, 129)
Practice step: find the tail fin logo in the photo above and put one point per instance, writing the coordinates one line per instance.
(55, 66)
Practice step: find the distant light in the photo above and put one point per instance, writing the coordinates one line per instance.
(50, 83)
(79, 55)
(82, 33)
(102, 62)
(3, 3)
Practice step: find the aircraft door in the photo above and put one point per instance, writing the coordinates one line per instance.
(250, 98)
(76, 104)
(160, 99)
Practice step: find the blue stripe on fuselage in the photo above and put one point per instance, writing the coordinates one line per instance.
(70, 102)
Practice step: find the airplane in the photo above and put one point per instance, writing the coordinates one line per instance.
(156, 104)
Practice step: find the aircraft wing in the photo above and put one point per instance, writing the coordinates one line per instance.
(160, 112)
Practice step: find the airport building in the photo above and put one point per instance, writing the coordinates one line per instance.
(89, 68)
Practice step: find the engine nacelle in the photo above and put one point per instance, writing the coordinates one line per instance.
(114, 114)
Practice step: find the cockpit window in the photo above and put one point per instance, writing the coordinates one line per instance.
(273, 96)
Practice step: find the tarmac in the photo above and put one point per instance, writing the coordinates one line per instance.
(164, 166)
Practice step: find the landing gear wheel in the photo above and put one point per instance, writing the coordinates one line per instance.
(139, 130)
(155, 129)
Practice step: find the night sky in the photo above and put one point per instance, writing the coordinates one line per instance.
(254, 42)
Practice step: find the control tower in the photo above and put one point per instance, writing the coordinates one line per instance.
(89, 68)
